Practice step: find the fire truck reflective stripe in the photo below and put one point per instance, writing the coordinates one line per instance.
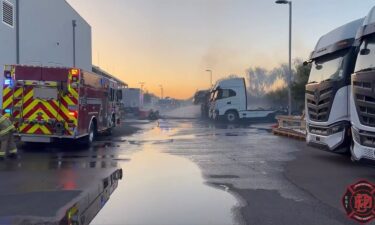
(8, 100)
(7, 93)
(68, 100)
(47, 110)
(74, 92)
(25, 128)
(60, 115)
(30, 109)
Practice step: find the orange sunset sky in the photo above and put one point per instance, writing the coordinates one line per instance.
(173, 42)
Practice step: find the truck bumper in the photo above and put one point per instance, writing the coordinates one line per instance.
(359, 150)
(43, 138)
(333, 142)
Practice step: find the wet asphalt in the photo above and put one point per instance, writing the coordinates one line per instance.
(187, 171)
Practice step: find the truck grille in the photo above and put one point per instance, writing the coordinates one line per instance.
(364, 97)
(319, 99)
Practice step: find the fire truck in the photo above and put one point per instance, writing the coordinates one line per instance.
(48, 103)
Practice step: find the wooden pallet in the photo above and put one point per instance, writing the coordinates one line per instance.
(289, 133)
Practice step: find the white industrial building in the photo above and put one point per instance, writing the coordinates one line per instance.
(49, 33)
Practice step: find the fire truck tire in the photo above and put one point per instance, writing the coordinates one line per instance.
(89, 139)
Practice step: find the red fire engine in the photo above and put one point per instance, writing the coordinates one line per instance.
(47, 103)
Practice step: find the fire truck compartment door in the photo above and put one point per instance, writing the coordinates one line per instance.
(45, 93)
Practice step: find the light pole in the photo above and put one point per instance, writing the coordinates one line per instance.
(210, 71)
(290, 54)
(161, 91)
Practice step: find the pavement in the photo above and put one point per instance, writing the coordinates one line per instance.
(183, 171)
(45, 181)
(276, 179)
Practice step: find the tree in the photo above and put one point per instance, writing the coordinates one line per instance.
(299, 85)
(270, 85)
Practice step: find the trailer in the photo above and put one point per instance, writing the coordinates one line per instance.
(132, 100)
(51, 103)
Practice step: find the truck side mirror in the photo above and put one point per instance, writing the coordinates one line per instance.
(365, 51)
(318, 67)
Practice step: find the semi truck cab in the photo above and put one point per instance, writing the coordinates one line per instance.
(328, 89)
(362, 97)
(228, 102)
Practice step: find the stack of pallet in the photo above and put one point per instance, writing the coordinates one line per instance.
(291, 126)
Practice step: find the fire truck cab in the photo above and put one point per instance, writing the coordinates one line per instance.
(48, 103)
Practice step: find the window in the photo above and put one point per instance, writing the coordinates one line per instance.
(8, 13)
(225, 93)
(367, 54)
(328, 67)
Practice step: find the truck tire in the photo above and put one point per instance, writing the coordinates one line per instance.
(231, 116)
(89, 139)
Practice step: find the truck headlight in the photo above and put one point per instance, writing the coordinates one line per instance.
(335, 129)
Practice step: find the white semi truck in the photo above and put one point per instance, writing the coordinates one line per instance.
(228, 102)
(328, 89)
(362, 98)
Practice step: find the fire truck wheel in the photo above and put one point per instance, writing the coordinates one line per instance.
(89, 139)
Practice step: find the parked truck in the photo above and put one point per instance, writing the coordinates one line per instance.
(46, 104)
(328, 89)
(228, 102)
(132, 100)
(362, 98)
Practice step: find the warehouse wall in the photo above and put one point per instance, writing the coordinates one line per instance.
(46, 34)
(7, 43)
(7, 39)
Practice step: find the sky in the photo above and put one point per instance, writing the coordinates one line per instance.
(173, 42)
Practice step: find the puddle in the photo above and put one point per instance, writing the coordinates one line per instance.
(159, 188)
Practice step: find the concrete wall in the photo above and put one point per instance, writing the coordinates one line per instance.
(46, 34)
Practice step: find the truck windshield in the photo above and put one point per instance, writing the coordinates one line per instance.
(328, 67)
(366, 57)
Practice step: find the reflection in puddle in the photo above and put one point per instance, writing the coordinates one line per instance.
(159, 188)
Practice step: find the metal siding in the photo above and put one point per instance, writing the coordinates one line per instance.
(46, 34)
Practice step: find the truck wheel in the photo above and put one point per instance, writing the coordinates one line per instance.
(89, 139)
(231, 116)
